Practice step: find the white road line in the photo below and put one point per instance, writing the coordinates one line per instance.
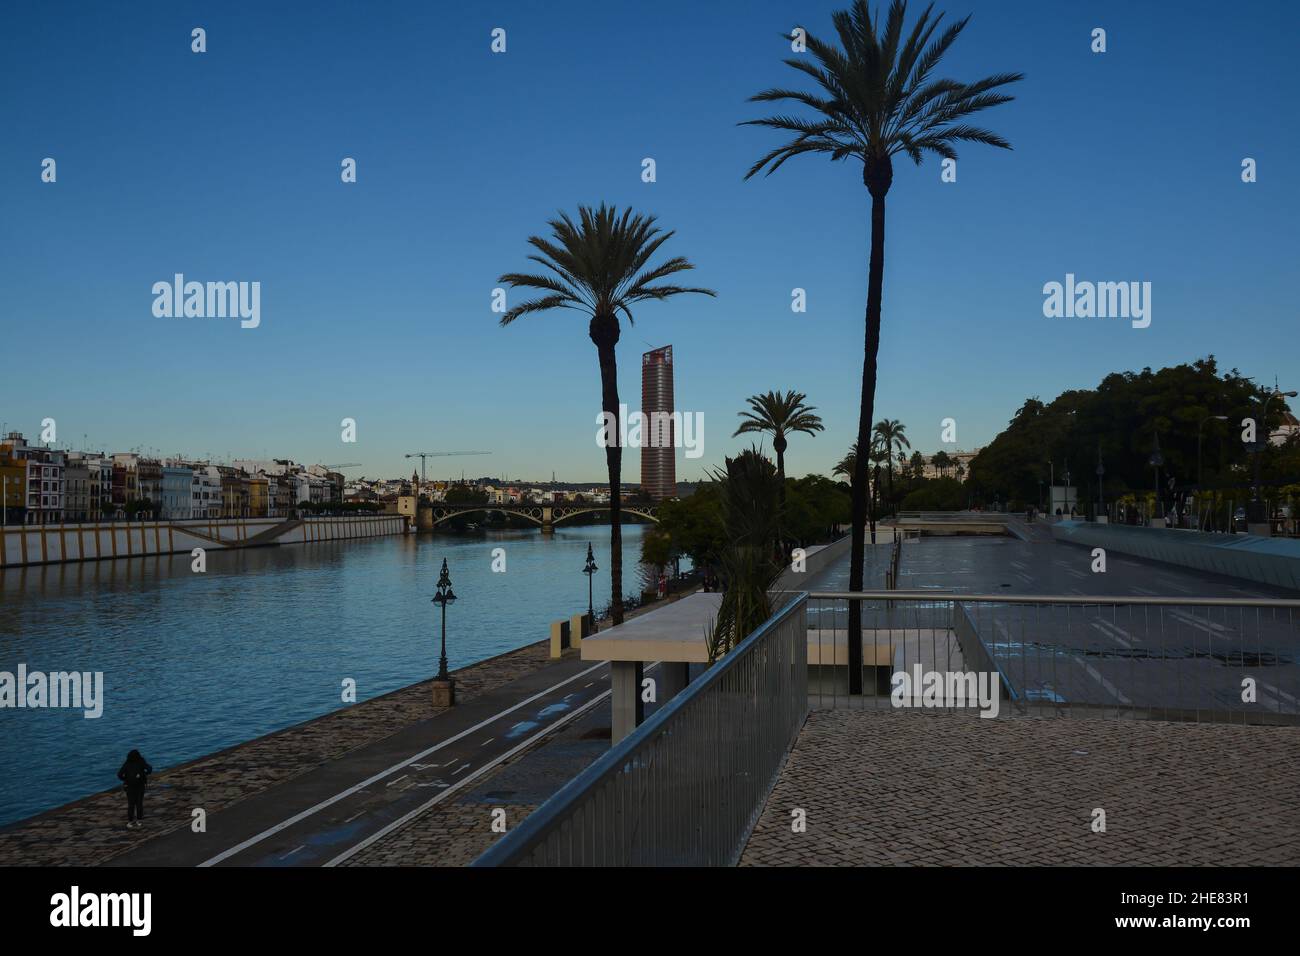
(1110, 688)
(398, 780)
(359, 813)
(1278, 692)
(466, 781)
(462, 767)
(486, 742)
(1209, 627)
(344, 794)
(293, 851)
(1109, 630)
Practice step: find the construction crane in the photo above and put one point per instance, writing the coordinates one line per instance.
(424, 455)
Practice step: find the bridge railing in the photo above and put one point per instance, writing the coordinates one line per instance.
(688, 785)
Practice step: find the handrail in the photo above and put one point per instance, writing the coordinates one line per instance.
(1088, 600)
(536, 826)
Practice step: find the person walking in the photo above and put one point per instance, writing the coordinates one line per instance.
(134, 774)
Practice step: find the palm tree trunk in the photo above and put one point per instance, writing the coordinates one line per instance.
(877, 178)
(779, 446)
(614, 464)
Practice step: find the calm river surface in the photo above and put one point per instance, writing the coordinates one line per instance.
(193, 663)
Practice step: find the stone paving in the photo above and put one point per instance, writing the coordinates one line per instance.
(908, 788)
(92, 830)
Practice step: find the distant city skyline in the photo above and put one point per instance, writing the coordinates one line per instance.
(375, 296)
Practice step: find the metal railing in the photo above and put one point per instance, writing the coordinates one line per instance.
(688, 785)
(1164, 658)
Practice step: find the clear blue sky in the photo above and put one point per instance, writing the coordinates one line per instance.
(376, 296)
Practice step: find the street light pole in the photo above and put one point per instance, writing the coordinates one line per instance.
(589, 570)
(1200, 425)
(1101, 472)
(1156, 461)
(444, 685)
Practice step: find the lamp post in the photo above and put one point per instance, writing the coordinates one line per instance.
(444, 685)
(1257, 506)
(1155, 461)
(1101, 473)
(1200, 425)
(590, 570)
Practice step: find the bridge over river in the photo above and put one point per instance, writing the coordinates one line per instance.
(543, 515)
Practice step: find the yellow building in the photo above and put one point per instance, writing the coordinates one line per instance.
(13, 487)
(258, 497)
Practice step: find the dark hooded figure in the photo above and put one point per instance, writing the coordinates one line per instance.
(134, 774)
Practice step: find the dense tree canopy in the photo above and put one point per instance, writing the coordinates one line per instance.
(1119, 420)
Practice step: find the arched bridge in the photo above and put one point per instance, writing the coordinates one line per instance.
(543, 515)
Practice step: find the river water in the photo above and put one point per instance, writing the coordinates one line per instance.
(264, 639)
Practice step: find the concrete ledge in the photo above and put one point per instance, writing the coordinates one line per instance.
(1274, 561)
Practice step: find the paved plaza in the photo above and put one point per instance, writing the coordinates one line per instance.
(908, 788)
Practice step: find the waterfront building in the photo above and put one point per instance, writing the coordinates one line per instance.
(205, 492)
(13, 482)
(126, 482)
(258, 496)
(177, 498)
(149, 479)
(658, 446)
(76, 491)
(42, 479)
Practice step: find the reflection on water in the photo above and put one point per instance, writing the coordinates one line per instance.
(196, 662)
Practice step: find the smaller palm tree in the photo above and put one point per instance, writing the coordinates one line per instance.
(779, 415)
(848, 463)
(891, 435)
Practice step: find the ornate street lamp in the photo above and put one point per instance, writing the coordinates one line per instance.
(589, 570)
(444, 685)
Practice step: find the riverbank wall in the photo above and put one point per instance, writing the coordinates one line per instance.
(25, 545)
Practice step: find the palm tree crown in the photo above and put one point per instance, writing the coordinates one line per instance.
(596, 264)
(780, 415)
(877, 98)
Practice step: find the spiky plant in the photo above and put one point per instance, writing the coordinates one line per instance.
(751, 515)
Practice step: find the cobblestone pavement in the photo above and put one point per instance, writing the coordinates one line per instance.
(92, 830)
(924, 789)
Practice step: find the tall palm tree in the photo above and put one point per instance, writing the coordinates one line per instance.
(596, 267)
(779, 415)
(877, 100)
(891, 434)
